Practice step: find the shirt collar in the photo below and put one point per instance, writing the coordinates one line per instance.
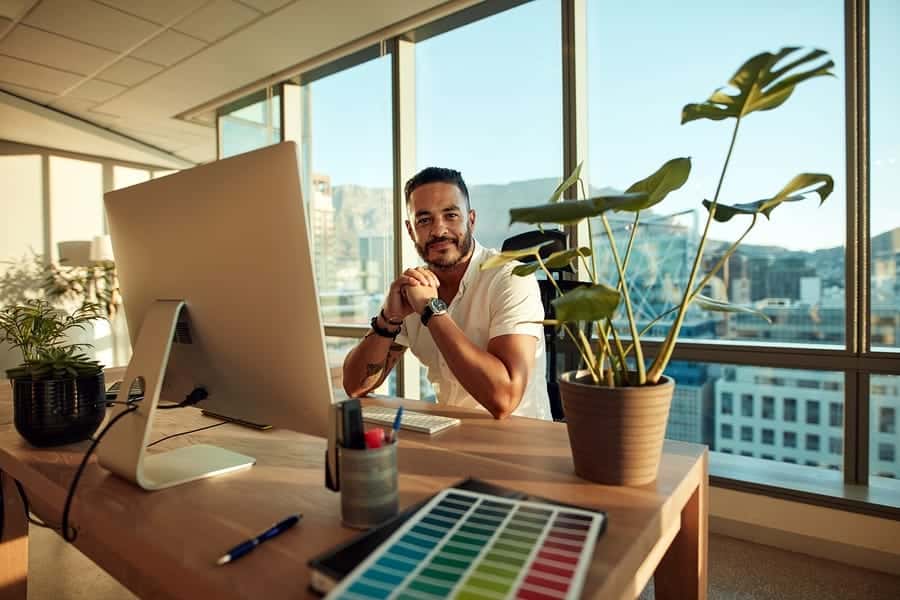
(479, 254)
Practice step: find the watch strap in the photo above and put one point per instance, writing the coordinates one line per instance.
(383, 332)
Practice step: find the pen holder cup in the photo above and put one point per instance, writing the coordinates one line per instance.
(369, 493)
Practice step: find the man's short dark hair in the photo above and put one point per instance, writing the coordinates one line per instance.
(436, 175)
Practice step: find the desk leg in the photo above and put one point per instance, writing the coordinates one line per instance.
(13, 544)
(682, 572)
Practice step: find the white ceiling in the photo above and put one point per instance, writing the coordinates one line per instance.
(131, 66)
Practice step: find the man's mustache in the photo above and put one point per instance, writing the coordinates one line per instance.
(440, 241)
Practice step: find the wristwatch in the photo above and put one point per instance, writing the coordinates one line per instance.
(435, 307)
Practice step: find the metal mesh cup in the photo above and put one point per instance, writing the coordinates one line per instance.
(368, 486)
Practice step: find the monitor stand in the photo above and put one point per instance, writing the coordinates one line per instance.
(123, 449)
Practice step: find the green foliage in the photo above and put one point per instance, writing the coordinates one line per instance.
(763, 83)
(38, 330)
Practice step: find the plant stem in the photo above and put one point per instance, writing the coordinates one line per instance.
(585, 356)
(638, 352)
(665, 354)
(590, 235)
(721, 262)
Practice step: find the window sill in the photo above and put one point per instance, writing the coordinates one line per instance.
(820, 487)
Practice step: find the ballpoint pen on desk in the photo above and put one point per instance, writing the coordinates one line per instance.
(396, 428)
(245, 547)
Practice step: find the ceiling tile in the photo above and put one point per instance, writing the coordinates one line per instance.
(129, 71)
(216, 20)
(30, 94)
(163, 12)
(54, 51)
(91, 22)
(266, 5)
(98, 91)
(13, 9)
(168, 48)
(19, 72)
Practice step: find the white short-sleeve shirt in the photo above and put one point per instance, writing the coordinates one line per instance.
(488, 304)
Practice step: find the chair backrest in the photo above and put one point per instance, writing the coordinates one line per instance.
(548, 294)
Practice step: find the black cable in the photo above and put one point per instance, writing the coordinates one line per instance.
(196, 395)
(31, 518)
(162, 439)
(70, 537)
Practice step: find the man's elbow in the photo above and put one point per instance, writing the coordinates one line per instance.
(504, 404)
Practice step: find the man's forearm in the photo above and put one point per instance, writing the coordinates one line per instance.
(369, 363)
(487, 378)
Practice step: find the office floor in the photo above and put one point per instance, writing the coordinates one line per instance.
(737, 570)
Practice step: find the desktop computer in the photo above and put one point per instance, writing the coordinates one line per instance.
(220, 297)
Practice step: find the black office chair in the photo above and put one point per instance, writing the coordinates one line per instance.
(548, 294)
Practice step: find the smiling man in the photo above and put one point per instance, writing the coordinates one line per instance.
(476, 331)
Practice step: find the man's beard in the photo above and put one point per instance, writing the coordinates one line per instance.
(463, 246)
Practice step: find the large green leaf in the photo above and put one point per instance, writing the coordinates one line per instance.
(563, 258)
(805, 183)
(760, 85)
(510, 255)
(569, 182)
(568, 213)
(707, 303)
(667, 178)
(586, 303)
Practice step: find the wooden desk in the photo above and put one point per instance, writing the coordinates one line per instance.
(163, 544)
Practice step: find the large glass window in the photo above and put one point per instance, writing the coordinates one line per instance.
(884, 172)
(884, 435)
(347, 165)
(489, 103)
(793, 274)
(251, 123)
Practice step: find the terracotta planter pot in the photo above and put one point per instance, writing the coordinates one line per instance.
(616, 434)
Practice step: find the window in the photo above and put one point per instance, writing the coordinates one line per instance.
(836, 414)
(250, 123)
(887, 421)
(768, 436)
(811, 463)
(789, 439)
(746, 405)
(790, 460)
(796, 291)
(476, 88)
(746, 453)
(835, 445)
(347, 176)
(746, 434)
(812, 412)
(790, 410)
(768, 457)
(726, 451)
(727, 403)
(812, 441)
(886, 452)
(768, 407)
(727, 431)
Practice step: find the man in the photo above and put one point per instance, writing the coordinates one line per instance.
(474, 330)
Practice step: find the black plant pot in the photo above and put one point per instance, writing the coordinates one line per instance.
(58, 411)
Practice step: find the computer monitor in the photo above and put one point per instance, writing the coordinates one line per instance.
(219, 293)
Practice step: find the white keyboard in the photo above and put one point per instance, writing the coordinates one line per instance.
(412, 421)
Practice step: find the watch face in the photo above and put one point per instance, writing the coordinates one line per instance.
(437, 305)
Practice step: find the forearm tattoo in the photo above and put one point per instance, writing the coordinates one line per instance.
(376, 373)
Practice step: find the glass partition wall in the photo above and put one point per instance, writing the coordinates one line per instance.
(515, 93)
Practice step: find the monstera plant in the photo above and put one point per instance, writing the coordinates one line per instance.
(618, 438)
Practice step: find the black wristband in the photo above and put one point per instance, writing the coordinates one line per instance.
(389, 321)
(385, 333)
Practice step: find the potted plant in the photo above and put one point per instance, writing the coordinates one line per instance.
(618, 406)
(58, 392)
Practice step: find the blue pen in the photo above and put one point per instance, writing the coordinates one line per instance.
(396, 427)
(242, 549)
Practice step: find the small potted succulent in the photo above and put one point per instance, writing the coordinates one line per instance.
(618, 405)
(58, 391)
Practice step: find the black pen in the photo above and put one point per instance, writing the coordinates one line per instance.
(242, 549)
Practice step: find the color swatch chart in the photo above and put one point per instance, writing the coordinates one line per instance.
(475, 546)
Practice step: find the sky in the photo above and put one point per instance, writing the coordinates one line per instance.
(488, 102)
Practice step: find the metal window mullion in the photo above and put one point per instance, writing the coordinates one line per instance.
(403, 102)
(574, 109)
